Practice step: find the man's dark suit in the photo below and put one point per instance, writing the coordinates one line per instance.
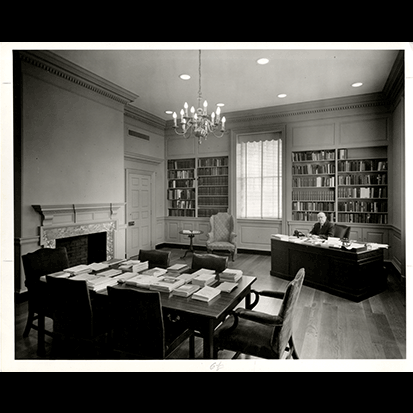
(323, 231)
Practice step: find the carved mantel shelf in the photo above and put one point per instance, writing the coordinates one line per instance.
(70, 214)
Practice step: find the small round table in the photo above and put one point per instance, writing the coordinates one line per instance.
(191, 234)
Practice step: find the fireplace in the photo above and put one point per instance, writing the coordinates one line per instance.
(87, 231)
(85, 249)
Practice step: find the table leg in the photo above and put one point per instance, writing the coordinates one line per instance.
(40, 335)
(209, 340)
(191, 248)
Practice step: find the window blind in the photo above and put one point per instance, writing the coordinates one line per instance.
(259, 176)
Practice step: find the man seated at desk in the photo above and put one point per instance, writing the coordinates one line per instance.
(323, 228)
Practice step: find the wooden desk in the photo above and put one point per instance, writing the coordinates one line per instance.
(352, 275)
(205, 317)
(200, 316)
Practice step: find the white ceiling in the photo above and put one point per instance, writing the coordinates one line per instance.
(233, 77)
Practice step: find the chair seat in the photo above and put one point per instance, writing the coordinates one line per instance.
(221, 245)
(248, 337)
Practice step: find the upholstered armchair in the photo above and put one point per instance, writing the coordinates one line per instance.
(222, 235)
(260, 334)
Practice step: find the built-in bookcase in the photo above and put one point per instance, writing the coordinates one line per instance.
(181, 188)
(349, 184)
(313, 184)
(362, 192)
(212, 186)
(197, 187)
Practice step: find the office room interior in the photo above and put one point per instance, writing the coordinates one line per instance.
(86, 122)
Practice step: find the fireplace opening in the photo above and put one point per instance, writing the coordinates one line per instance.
(84, 249)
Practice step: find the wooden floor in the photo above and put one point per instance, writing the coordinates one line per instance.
(326, 326)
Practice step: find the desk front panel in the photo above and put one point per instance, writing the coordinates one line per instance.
(348, 274)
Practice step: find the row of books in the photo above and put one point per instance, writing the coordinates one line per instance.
(363, 218)
(314, 169)
(181, 174)
(213, 180)
(218, 190)
(362, 206)
(214, 170)
(182, 204)
(213, 200)
(202, 162)
(317, 195)
(362, 192)
(181, 183)
(312, 206)
(181, 164)
(181, 194)
(310, 216)
(313, 155)
(182, 212)
(362, 166)
(363, 179)
(316, 181)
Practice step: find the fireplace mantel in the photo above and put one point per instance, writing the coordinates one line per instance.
(69, 214)
(70, 220)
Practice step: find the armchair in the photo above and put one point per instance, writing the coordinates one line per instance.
(222, 235)
(260, 334)
(341, 231)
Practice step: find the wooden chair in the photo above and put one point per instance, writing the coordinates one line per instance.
(36, 264)
(341, 231)
(222, 235)
(74, 319)
(209, 261)
(155, 258)
(137, 328)
(259, 334)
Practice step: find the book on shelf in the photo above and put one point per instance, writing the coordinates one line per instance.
(227, 286)
(230, 274)
(186, 290)
(167, 284)
(206, 294)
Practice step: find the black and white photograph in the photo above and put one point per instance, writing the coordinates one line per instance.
(206, 207)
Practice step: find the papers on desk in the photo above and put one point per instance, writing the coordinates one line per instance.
(134, 266)
(78, 269)
(142, 281)
(98, 266)
(58, 274)
(155, 272)
(280, 237)
(227, 287)
(206, 294)
(204, 277)
(167, 284)
(186, 290)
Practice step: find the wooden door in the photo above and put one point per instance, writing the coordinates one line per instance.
(138, 210)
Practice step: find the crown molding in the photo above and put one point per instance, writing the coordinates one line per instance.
(71, 72)
(143, 116)
(395, 82)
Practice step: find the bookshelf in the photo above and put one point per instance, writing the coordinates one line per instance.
(197, 187)
(313, 184)
(212, 185)
(181, 188)
(362, 191)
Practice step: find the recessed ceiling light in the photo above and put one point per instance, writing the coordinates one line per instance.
(282, 95)
(262, 61)
(357, 84)
(184, 76)
(168, 112)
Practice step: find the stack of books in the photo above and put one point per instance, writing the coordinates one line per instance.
(110, 273)
(155, 272)
(204, 277)
(167, 284)
(134, 266)
(142, 281)
(98, 266)
(231, 275)
(100, 283)
(177, 269)
(58, 274)
(186, 290)
(78, 269)
(187, 277)
(206, 294)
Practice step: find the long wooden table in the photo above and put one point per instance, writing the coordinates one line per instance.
(200, 316)
(349, 274)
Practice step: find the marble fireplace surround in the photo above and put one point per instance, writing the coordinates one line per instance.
(70, 220)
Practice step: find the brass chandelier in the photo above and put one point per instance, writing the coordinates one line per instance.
(198, 122)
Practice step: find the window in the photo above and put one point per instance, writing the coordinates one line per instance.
(259, 176)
